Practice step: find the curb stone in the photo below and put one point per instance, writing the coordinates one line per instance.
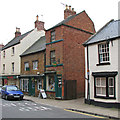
(110, 117)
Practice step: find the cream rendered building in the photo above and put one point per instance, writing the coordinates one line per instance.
(10, 54)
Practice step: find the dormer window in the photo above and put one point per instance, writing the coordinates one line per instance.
(52, 36)
(103, 51)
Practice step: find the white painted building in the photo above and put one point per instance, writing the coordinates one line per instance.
(102, 56)
(10, 55)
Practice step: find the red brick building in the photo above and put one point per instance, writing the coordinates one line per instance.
(65, 66)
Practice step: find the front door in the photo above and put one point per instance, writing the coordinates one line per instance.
(32, 87)
(59, 86)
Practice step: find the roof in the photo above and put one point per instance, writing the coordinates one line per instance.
(16, 40)
(38, 46)
(64, 21)
(107, 32)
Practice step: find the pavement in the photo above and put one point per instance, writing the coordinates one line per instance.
(77, 105)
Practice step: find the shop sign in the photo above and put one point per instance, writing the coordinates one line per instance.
(43, 93)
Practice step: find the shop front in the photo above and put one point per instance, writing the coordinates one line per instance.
(31, 84)
(53, 85)
(10, 80)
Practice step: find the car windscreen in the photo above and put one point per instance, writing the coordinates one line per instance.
(12, 88)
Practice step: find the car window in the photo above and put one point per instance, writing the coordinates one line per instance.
(12, 88)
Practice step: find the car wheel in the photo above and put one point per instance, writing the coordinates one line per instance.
(6, 97)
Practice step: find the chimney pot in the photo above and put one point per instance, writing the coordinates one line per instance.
(69, 7)
(37, 18)
(72, 9)
(17, 33)
(66, 7)
(39, 24)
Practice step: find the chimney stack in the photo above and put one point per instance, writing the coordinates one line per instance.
(39, 24)
(69, 12)
(17, 33)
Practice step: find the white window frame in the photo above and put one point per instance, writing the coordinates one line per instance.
(100, 86)
(52, 86)
(103, 51)
(26, 65)
(111, 86)
(35, 65)
(13, 51)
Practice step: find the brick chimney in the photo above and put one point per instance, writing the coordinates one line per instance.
(39, 24)
(69, 12)
(17, 33)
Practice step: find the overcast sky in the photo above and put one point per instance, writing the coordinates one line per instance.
(22, 14)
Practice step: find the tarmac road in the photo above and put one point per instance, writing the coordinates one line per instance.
(28, 109)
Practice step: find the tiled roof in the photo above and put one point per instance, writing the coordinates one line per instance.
(38, 46)
(16, 40)
(109, 31)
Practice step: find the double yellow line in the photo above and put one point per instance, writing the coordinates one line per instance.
(86, 114)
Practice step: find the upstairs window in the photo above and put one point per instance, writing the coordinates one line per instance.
(3, 68)
(53, 36)
(52, 57)
(26, 66)
(35, 65)
(3, 54)
(13, 50)
(13, 67)
(103, 50)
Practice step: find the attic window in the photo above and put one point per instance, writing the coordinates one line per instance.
(52, 36)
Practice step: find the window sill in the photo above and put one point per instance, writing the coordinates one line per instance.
(100, 64)
(103, 97)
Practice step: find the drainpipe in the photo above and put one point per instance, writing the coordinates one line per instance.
(88, 81)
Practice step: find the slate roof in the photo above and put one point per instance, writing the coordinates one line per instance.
(38, 46)
(65, 20)
(16, 40)
(109, 31)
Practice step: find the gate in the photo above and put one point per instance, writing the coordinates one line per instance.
(70, 89)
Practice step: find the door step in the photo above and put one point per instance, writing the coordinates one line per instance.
(58, 98)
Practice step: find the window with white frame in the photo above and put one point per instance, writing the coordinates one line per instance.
(26, 66)
(105, 87)
(50, 83)
(103, 50)
(111, 86)
(40, 84)
(24, 85)
(101, 86)
(35, 65)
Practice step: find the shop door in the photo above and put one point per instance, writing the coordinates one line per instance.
(32, 87)
(59, 86)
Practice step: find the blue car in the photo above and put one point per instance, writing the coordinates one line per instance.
(11, 92)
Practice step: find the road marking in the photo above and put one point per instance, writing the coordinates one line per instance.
(13, 104)
(84, 114)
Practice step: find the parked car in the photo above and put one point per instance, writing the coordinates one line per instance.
(11, 92)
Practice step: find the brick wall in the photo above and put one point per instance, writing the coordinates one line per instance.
(74, 59)
(83, 22)
(29, 58)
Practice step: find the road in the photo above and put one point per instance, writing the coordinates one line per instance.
(28, 109)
